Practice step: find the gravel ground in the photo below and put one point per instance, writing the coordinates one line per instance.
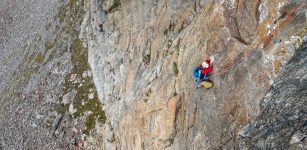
(34, 62)
(22, 34)
(48, 98)
(21, 23)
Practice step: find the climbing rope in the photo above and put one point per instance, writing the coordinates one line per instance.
(259, 46)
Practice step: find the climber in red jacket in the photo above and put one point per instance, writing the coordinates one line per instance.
(201, 72)
(206, 67)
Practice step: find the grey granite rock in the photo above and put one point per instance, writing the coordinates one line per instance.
(282, 122)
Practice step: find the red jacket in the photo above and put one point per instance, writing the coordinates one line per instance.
(206, 70)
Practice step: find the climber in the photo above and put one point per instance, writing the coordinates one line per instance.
(201, 72)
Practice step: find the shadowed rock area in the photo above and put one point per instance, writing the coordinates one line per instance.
(282, 123)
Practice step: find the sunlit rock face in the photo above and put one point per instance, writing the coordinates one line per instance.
(142, 55)
(118, 74)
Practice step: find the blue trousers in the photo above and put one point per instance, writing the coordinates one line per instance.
(202, 76)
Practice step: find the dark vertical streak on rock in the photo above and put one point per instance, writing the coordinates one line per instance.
(282, 121)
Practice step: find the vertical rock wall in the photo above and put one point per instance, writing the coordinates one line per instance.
(142, 54)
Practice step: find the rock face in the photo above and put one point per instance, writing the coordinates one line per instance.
(282, 121)
(142, 54)
(118, 74)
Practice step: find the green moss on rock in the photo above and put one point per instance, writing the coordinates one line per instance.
(175, 69)
(39, 58)
(48, 45)
(70, 17)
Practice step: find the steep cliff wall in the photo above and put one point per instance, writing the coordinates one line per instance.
(142, 55)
